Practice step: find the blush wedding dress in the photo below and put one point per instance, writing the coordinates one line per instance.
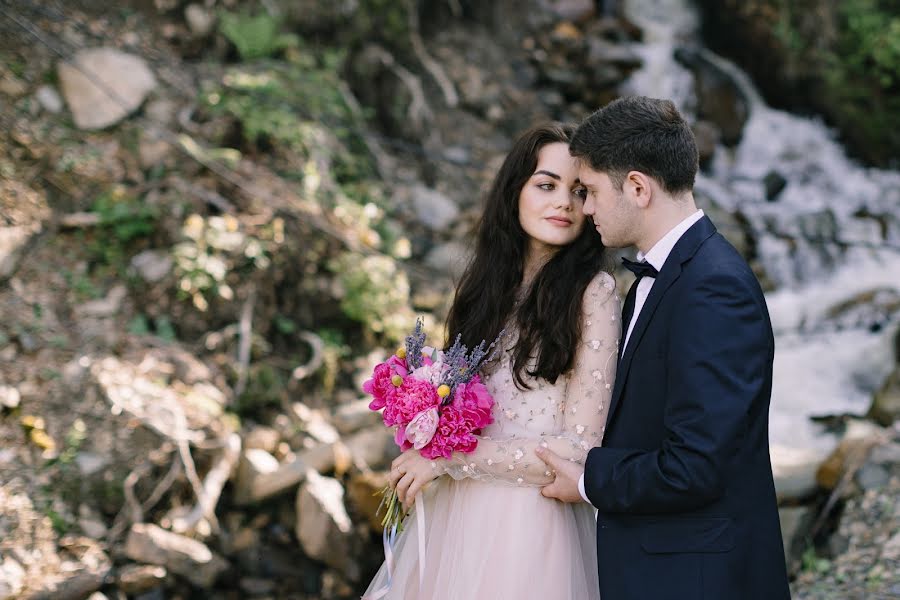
(488, 533)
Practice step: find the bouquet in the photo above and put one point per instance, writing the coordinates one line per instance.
(434, 399)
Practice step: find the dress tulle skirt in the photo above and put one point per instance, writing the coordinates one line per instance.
(487, 541)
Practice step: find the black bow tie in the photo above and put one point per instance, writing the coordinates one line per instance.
(640, 269)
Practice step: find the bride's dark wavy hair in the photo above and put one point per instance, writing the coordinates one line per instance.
(549, 318)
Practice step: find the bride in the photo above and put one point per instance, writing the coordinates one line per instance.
(537, 271)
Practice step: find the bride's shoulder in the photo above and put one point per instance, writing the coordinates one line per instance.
(601, 288)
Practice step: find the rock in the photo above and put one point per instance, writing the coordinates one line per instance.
(263, 438)
(719, 98)
(200, 20)
(793, 520)
(373, 448)
(126, 82)
(9, 397)
(794, 470)
(850, 454)
(449, 258)
(13, 242)
(12, 579)
(98, 596)
(353, 416)
(872, 477)
(255, 462)
(255, 586)
(89, 463)
(90, 523)
(181, 555)
(12, 86)
(138, 579)
(153, 150)
(290, 473)
(104, 307)
(323, 526)
(572, 10)
(315, 423)
(362, 490)
(433, 208)
(774, 183)
(885, 407)
(152, 265)
(49, 98)
(708, 137)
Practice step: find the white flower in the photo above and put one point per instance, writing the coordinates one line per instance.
(421, 429)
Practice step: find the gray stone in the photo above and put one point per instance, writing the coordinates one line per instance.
(356, 415)
(153, 150)
(373, 448)
(12, 579)
(89, 463)
(323, 527)
(49, 99)
(104, 307)
(793, 519)
(9, 397)
(263, 438)
(152, 265)
(795, 471)
(200, 20)
(13, 241)
(448, 258)
(872, 477)
(139, 579)
(433, 209)
(124, 80)
(886, 403)
(181, 555)
(288, 474)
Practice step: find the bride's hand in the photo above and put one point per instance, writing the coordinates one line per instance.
(410, 472)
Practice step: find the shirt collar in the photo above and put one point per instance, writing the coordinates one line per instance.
(660, 251)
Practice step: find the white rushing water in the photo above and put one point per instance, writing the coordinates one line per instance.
(829, 241)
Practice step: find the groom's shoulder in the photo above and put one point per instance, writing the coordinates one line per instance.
(718, 259)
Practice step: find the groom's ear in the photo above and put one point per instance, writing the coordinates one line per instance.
(638, 187)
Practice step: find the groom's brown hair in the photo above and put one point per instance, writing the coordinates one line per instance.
(636, 133)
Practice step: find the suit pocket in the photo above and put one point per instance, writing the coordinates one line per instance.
(688, 535)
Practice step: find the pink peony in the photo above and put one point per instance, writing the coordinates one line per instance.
(380, 386)
(409, 400)
(421, 429)
(453, 435)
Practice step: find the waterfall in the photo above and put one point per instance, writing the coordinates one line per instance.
(829, 241)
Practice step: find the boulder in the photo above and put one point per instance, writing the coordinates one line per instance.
(148, 543)
(104, 85)
(323, 525)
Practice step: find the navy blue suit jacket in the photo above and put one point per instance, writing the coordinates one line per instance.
(683, 482)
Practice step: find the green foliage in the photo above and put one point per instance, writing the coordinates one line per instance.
(813, 563)
(123, 219)
(255, 36)
(266, 386)
(216, 247)
(335, 351)
(375, 293)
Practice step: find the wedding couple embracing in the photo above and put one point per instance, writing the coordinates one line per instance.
(628, 458)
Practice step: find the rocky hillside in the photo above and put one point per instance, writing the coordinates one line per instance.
(214, 219)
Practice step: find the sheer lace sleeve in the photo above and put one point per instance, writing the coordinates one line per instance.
(581, 416)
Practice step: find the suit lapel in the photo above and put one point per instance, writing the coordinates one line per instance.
(684, 249)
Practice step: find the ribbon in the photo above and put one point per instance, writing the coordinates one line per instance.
(389, 539)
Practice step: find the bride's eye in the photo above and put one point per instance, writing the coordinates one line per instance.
(547, 186)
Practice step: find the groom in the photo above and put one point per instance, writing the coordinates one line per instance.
(683, 481)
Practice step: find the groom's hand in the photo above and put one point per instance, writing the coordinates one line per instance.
(565, 486)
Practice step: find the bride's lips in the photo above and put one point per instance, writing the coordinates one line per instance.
(560, 221)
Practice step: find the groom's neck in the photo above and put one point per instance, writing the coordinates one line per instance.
(663, 216)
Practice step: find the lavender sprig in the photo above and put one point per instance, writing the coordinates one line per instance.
(461, 365)
(415, 342)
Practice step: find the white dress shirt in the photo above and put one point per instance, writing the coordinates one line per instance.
(656, 256)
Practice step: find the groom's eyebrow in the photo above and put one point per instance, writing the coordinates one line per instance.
(548, 173)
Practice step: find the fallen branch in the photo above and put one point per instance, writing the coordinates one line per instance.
(79, 220)
(315, 361)
(211, 490)
(432, 66)
(245, 330)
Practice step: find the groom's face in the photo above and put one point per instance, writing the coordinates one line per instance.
(613, 216)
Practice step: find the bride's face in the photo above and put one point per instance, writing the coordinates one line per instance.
(550, 201)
